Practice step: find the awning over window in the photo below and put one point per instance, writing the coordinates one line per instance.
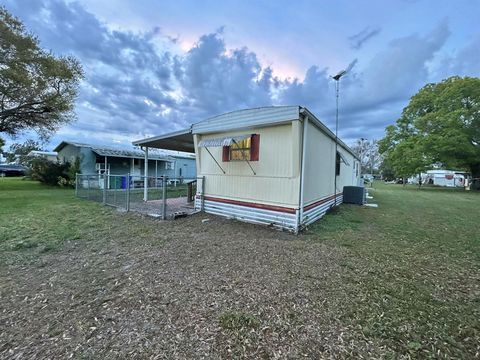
(226, 141)
(343, 158)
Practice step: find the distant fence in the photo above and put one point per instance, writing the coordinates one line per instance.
(127, 192)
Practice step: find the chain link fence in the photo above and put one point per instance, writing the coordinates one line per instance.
(158, 196)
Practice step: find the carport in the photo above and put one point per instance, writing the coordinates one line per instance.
(176, 141)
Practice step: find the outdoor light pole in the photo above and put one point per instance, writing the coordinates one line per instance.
(337, 91)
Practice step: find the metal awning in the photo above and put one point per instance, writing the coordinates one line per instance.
(225, 141)
(178, 141)
(343, 158)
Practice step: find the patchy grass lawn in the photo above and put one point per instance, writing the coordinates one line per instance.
(412, 269)
(34, 216)
(78, 279)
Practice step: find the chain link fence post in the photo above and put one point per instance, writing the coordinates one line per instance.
(105, 182)
(76, 184)
(127, 189)
(88, 187)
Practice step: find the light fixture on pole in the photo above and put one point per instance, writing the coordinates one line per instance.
(337, 90)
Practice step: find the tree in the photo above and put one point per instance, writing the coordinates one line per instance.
(441, 124)
(37, 89)
(21, 150)
(367, 151)
(448, 116)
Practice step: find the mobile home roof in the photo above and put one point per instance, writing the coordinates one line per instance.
(241, 119)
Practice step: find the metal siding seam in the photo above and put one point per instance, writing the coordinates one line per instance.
(243, 210)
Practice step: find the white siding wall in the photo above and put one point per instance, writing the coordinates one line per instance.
(320, 167)
(277, 172)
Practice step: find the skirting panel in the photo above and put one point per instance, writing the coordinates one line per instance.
(280, 219)
(283, 218)
(316, 212)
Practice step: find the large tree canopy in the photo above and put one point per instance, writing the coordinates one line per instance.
(441, 124)
(37, 89)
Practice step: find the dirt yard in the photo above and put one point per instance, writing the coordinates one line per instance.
(275, 296)
(82, 281)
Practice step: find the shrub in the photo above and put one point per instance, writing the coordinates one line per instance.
(52, 173)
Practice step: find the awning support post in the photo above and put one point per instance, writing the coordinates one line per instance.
(145, 178)
(216, 162)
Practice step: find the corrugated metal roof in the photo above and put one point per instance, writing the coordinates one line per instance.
(119, 152)
(46, 153)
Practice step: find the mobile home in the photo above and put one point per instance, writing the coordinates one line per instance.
(279, 166)
(446, 178)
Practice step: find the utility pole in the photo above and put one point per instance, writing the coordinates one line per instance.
(337, 88)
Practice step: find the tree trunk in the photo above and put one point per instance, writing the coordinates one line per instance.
(419, 180)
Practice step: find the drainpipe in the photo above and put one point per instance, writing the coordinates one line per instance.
(303, 165)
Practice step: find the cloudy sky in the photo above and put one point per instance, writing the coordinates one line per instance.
(155, 66)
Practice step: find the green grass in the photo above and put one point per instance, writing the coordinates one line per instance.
(238, 321)
(35, 218)
(411, 269)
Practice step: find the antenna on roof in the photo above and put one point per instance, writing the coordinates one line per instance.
(339, 75)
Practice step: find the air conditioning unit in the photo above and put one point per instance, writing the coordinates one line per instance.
(354, 195)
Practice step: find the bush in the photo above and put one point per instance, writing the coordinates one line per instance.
(53, 173)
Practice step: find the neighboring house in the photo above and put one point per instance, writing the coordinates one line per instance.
(95, 159)
(272, 165)
(48, 155)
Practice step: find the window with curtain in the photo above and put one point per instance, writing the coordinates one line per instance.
(247, 149)
(241, 150)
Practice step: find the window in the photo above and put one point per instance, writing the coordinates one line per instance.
(337, 164)
(169, 165)
(246, 149)
(241, 150)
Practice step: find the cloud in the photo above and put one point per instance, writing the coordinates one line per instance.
(372, 98)
(213, 79)
(357, 40)
(141, 83)
(465, 62)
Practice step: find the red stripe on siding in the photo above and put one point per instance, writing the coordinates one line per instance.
(319, 202)
(252, 205)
